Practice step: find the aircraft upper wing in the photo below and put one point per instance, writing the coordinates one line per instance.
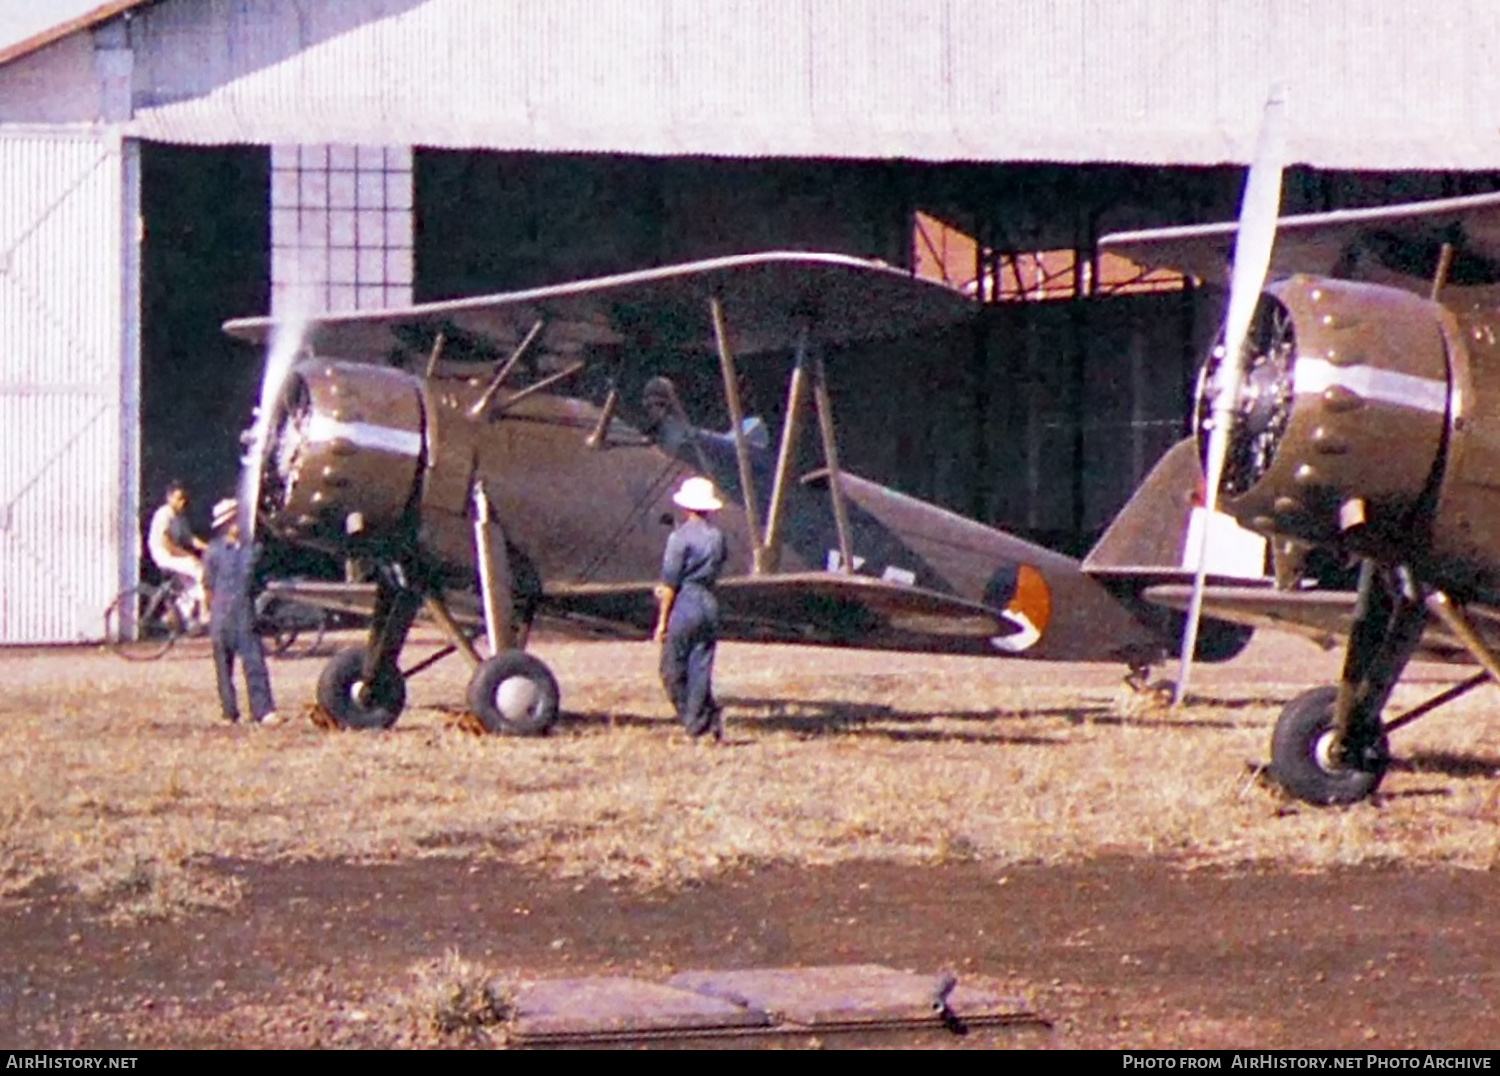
(1403, 239)
(763, 296)
(802, 607)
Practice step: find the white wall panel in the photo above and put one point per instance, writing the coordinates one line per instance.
(67, 385)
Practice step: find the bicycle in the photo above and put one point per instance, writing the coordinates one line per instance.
(146, 620)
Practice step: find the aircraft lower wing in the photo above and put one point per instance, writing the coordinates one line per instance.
(1324, 616)
(828, 608)
(357, 599)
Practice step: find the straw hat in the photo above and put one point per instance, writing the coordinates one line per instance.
(697, 495)
(225, 512)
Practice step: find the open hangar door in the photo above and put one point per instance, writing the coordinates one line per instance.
(489, 221)
(204, 259)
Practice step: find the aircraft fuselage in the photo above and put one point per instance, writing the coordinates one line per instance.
(374, 462)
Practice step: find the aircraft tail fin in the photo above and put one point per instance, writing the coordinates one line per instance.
(1146, 537)
(1154, 541)
(1154, 537)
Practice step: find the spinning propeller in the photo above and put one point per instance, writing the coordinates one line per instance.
(287, 339)
(1259, 210)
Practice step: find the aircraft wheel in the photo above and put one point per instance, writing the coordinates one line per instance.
(354, 704)
(515, 693)
(1300, 758)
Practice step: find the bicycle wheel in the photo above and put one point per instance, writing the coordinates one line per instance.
(286, 624)
(315, 623)
(142, 623)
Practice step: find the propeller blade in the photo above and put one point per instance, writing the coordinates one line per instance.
(1260, 207)
(287, 339)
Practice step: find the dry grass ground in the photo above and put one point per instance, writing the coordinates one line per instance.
(122, 782)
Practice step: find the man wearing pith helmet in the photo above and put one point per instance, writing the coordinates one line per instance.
(228, 575)
(687, 622)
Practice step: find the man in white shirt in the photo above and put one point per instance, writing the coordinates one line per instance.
(174, 547)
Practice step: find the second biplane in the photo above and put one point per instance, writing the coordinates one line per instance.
(1361, 423)
(489, 500)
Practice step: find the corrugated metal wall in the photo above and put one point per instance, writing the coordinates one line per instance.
(68, 389)
(1372, 84)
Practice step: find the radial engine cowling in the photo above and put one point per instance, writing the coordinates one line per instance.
(1342, 417)
(345, 455)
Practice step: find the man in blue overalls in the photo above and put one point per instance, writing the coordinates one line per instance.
(228, 568)
(687, 622)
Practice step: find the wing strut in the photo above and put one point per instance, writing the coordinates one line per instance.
(600, 432)
(737, 424)
(831, 460)
(791, 431)
(482, 404)
(434, 355)
(1440, 274)
(541, 386)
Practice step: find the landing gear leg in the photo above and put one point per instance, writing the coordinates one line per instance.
(363, 687)
(1329, 746)
(511, 691)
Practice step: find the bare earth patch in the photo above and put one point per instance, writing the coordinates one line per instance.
(172, 880)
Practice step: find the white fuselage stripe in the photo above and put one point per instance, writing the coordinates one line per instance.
(321, 428)
(1313, 376)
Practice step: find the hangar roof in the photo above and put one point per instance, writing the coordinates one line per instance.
(23, 32)
(1068, 81)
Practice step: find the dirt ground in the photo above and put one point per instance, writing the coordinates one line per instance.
(1117, 952)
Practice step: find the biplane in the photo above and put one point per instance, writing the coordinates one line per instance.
(1361, 425)
(487, 494)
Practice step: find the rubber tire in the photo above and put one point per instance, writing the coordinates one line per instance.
(158, 622)
(514, 673)
(336, 685)
(1300, 729)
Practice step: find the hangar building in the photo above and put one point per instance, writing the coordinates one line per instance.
(167, 164)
